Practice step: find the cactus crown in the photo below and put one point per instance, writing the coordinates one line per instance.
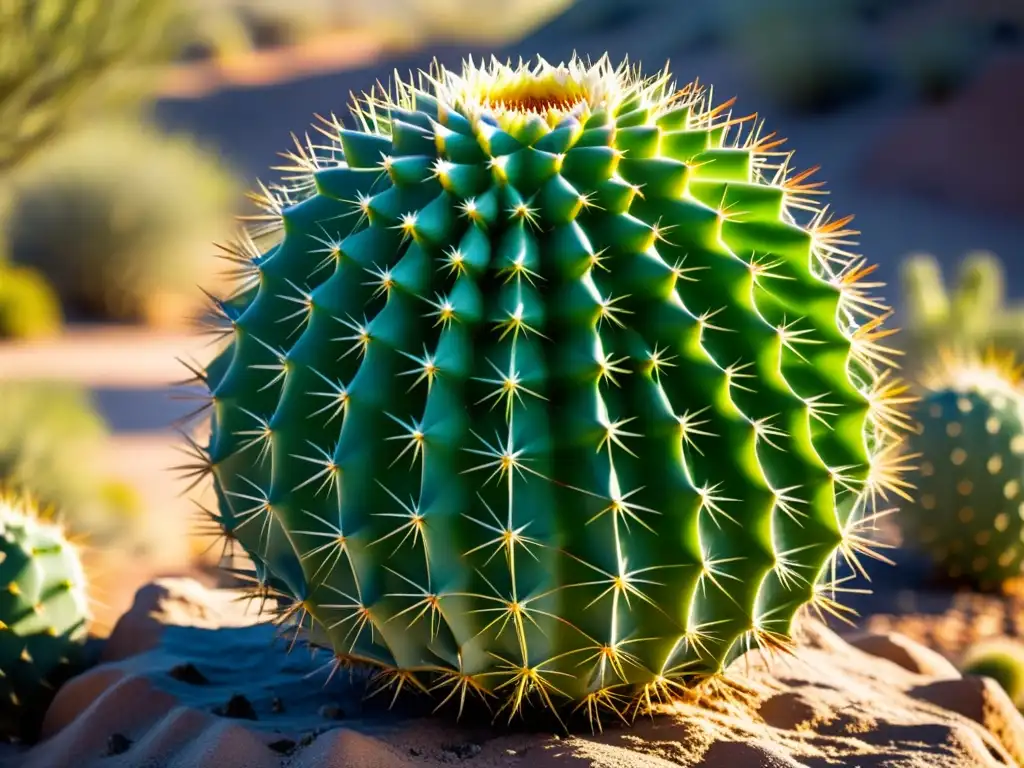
(558, 386)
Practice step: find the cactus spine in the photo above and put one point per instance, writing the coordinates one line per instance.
(559, 388)
(43, 613)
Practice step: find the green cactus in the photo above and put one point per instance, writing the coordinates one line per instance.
(968, 514)
(558, 388)
(1003, 661)
(968, 319)
(43, 614)
(29, 308)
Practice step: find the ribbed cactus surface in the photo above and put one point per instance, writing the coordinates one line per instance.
(558, 386)
(968, 511)
(43, 613)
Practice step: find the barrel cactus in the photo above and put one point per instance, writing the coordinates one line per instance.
(968, 514)
(43, 614)
(556, 388)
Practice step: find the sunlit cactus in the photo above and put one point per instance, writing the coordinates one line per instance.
(559, 388)
(968, 511)
(43, 614)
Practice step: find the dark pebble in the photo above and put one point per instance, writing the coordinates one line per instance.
(237, 707)
(462, 751)
(331, 712)
(118, 744)
(187, 673)
(283, 746)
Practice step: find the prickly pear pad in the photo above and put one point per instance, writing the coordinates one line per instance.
(558, 386)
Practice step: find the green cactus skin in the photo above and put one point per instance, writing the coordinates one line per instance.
(968, 512)
(43, 614)
(969, 318)
(545, 394)
(1003, 661)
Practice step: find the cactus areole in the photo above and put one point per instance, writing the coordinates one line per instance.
(557, 387)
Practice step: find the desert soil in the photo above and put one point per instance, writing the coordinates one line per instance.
(179, 688)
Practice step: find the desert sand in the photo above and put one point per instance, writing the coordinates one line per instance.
(192, 678)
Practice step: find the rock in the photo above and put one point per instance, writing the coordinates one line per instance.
(883, 701)
(238, 707)
(187, 673)
(963, 152)
(905, 652)
(118, 744)
(174, 602)
(984, 702)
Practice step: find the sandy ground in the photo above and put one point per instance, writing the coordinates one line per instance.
(130, 373)
(172, 693)
(343, 48)
(105, 356)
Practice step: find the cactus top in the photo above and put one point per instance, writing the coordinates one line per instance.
(553, 383)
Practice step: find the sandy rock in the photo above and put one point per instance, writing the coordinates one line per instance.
(905, 652)
(193, 682)
(175, 602)
(984, 702)
(962, 152)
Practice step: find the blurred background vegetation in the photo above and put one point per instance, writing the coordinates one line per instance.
(114, 212)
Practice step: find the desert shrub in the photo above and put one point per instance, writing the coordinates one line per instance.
(29, 308)
(67, 59)
(121, 219)
(51, 443)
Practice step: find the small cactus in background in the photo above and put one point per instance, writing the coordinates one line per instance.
(559, 388)
(969, 318)
(29, 308)
(43, 614)
(1003, 661)
(968, 512)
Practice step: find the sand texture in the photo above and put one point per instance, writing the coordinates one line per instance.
(190, 679)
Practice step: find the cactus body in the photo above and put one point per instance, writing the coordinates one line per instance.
(546, 393)
(43, 614)
(968, 512)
